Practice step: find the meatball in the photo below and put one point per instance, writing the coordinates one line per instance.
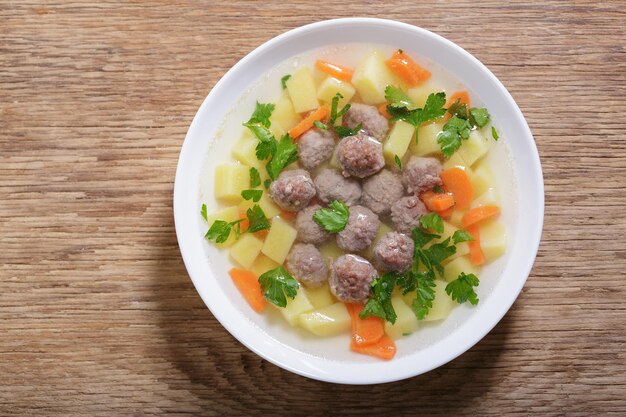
(351, 278)
(308, 230)
(380, 191)
(331, 185)
(360, 230)
(293, 189)
(421, 174)
(394, 252)
(314, 147)
(372, 122)
(406, 213)
(306, 264)
(360, 156)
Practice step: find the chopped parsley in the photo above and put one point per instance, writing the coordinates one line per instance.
(257, 220)
(203, 212)
(462, 288)
(397, 160)
(479, 116)
(220, 230)
(494, 133)
(380, 304)
(454, 130)
(432, 221)
(401, 107)
(320, 125)
(283, 80)
(461, 236)
(335, 113)
(438, 189)
(343, 131)
(286, 152)
(254, 195)
(261, 114)
(277, 284)
(334, 218)
(267, 183)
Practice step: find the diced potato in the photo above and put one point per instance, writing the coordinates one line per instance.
(382, 230)
(398, 141)
(277, 130)
(262, 264)
(301, 89)
(420, 93)
(406, 321)
(245, 149)
(331, 86)
(489, 198)
(482, 178)
(492, 240)
(246, 249)
(327, 321)
(334, 162)
(330, 250)
(267, 205)
(300, 304)
(427, 139)
(461, 264)
(474, 147)
(456, 217)
(321, 296)
(230, 179)
(455, 161)
(371, 77)
(284, 113)
(279, 240)
(442, 304)
(228, 214)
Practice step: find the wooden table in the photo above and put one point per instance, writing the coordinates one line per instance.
(97, 313)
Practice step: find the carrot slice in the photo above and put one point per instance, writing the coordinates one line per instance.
(477, 257)
(307, 123)
(365, 331)
(446, 214)
(457, 182)
(334, 70)
(479, 214)
(407, 69)
(437, 201)
(384, 348)
(382, 109)
(248, 285)
(288, 215)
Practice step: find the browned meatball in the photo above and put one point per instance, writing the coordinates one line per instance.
(292, 190)
(381, 190)
(394, 252)
(406, 213)
(360, 156)
(306, 264)
(314, 147)
(331, 185)
(421, 174)
(360, 230)
(351, 278)
(372, 122)
(308, 230)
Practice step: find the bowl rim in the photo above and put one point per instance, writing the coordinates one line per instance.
(368, 373)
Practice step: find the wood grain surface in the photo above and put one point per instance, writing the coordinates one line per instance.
(97, 314)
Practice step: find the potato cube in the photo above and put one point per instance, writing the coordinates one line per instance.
(427, 139)
(244, 150)
(488, 198)
(492, 240)
(455, 161)
(277, 130)
(284, 114)
(371, 77)
(475, 147)
(482, 178)
(398, 141)
(321, 296)
(246, 249)
(456, 217)
(279, 240)
(331, 86)
(406, 321)
(442, 304)
(228, 214)
(230, 179)
(300, 304)
(262, 264)
(461, 264)
(327, 321)
(420, 93)
(301, 89)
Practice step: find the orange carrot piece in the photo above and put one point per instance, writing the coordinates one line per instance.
(479, 214)
(407, 69)
(457, 182)
(365, 331)
(477, 257)
(382, 109)
(437, 201)
(334, 70)
(287, 215)
(384, 348)
(446, 214)
(248, 285)
(307, 123)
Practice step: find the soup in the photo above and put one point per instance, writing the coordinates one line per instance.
(359, 200)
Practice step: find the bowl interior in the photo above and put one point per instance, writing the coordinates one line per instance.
(209, 141)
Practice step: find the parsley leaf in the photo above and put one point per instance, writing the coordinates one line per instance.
(219, 231)
(433, 109)
(267, 183)
(432, 221)
(458, 109)
(334, 218)
(380, 304)
(262, 113)
(462, 236)
(462, 288)
(453, 131)
(479, 116)
(277, 284)
(343, 131)
(397, 98)
(402, 108)
(421, 237)
(283, 81)
(258, 125)
(265, 149)
(255, 178)
(397, 160)
(257, 219)
(438, 189)
(203, 212)
(254, 195)
(334, 114)
(438, 252)
(494, 133)
(424, 295)
(320, 125)
(286, 152)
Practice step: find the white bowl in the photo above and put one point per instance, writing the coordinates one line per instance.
(430, 347)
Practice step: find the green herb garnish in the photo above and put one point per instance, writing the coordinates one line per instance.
(401, 107)
(220, 230)
(203, 212)
(461, 236)
(397, 160)
(267, 183)
(255, 178)
(286, 152)
(277, 284)
(283, 81)
(334, 218)
(453, 131)
(257, 220)
(494, 133)
(320, 125)
(254, 195)
(462, 288)
(379, 305)
(432, 221)
(479, 116)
